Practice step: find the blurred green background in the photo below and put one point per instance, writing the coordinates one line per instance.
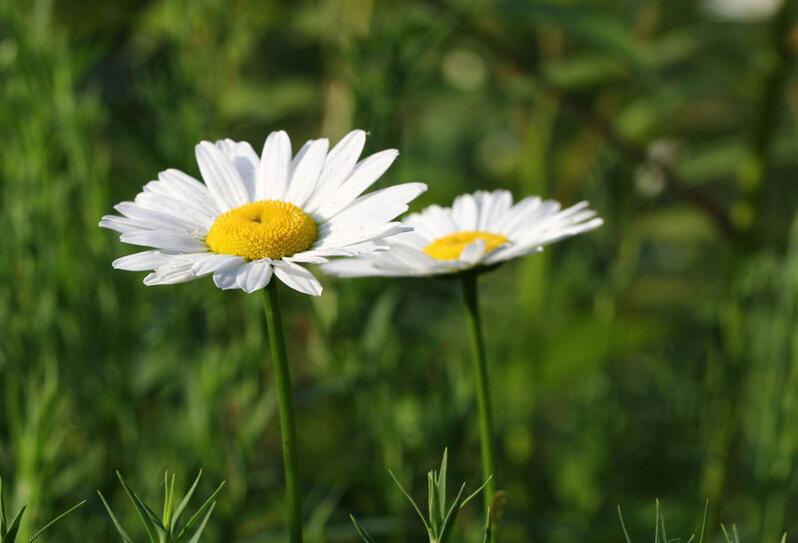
(655, 357)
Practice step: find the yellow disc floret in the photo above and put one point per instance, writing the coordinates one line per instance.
(264, 229)
(449, 247)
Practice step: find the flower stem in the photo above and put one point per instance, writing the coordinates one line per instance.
(471, 299)
(282, 380)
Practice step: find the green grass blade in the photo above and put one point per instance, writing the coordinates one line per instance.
(56, 519)
(412, 502)
(656, 524)
(117, 525)
(623, 526)
(442, 480)
(13, 528)
(361, 530)
(488, 533)
(148, 517)
(186, 499)
(195, 538)
(2, 511)
(208, 503)
(725, 533)
(477, 491)
(435, 514)
(704, 522)
(448, 523)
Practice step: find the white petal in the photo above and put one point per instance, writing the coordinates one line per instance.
(360, 234)
(379, 206)
(434, 222)
(473, 252)
(305, 174)
(465, 213)
(509, 252)
(174, 206)
(122, 225)
(213, 263)
(297, 277)
(307, 257)
(187, 189)
(170, 274)
(365, 174)
(352, 267)
(494, 206)
(513, 222)
(143, 261)
(158, 220)
(338, 165)
(407, 260)
(165, 241)
(226, 279)
(223, 180)
(244, 159)
(272, 178)
(253, 276)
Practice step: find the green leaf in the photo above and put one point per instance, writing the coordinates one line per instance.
(725, 533)
(451, 516)
(148, 517)
(488, 529)
(361, 531)
(208, 503)
(186, 499)
(202, 525)
(442, 480)
(169, 501)
(412, 502)
(117, 525)
(56, 519)
(623, 526)
(13, 528)
(477, 491)
(435, 515)
(704, 522)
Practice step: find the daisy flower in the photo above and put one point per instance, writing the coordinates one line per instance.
(255, 217)
(480, 230)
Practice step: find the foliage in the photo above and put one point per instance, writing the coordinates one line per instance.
(442, 518)
(165, 528)
(9, 527)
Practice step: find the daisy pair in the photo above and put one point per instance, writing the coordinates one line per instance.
(259, 216)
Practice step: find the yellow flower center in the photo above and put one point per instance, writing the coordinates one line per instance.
(265, 229)
(449, 247)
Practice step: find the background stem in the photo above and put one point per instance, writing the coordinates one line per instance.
(282, 379)
(471, 299)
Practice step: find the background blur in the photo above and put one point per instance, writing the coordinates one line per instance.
(655, 357)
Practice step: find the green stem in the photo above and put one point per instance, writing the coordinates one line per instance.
(471, 299)
(282, 380)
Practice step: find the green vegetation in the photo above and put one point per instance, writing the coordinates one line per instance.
(165, 528)
(10, 527)
(654, 357)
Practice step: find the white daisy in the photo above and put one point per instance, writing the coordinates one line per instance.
(254, 217)
(479, 230)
